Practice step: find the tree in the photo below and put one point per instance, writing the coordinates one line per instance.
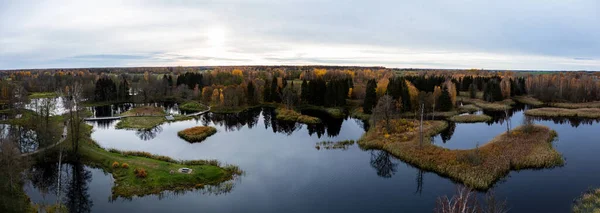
(370, 97)
(72, 98)
(304, 91)
(385, 110)
(251, 93)
(289, 97)
(445, 101)
(472, 91)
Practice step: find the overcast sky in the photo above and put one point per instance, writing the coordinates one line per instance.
(507, 34)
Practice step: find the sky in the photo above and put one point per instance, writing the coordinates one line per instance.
(507, 34)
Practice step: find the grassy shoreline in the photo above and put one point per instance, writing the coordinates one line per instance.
(477, 168)
(293, 116)
(42, 95)
(196, 134)
(193, 106)
(162, 172)
(561, 112)
(491, 106)
(529, 100)
(589, 201)
(146, 117)
(470, 118)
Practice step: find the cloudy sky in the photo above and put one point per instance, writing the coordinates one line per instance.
(507, 34)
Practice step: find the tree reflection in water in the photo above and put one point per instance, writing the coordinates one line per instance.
(148, 134)
(447, 133)
(382, 162)
(77, 197)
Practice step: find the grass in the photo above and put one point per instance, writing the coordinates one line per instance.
(334, 112)
(595, 104)
(193, 106)
(197, 134)
(334, 145)
(529, 100)
(161, 171)
(587, 202)
(358, 113)
(560, 112)
(477, 168)
(491, 106)
(467, 94)
(146, 122)
(145, 111)
(468, 108)
(470, 118)
(291, 115)
(42, 95)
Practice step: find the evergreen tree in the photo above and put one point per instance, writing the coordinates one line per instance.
(304, 92)
(275, 91)
(267, 92)
(472, 91)
(250, 95)
(370, 96)
(445, 102)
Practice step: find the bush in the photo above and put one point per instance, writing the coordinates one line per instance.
(115, 164)
(197, 134)
(140, 173)
(125, 166)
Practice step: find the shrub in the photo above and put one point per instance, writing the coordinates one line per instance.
(115, 164)
(140, 173)
(125, 166)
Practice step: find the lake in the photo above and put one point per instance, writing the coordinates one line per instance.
(284, 172)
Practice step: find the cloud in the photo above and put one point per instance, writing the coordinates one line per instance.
(506, 34)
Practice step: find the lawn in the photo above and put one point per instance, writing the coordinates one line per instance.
(561, 112)
(42, 95)
(193, 106)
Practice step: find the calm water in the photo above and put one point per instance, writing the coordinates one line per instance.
(285, 173)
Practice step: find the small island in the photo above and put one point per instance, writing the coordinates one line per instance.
(197, 134)
(291, 115)
(193, 106)
(522, 148)
(470, 118)
(146, 117)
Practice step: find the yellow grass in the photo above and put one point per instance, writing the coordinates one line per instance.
(470, 118)
(197, 134)
(477, 168)
(560, 112)
(491, 106)
(291, 115)
(595, 104)
(528, 100)
(588, 202)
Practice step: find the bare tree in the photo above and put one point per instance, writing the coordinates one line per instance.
(73, 101)
(385, 109)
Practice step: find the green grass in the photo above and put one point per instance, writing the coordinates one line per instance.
(335, 112)
(193, 106)
(146, 122)
(470, 118)
(561, 112)
(529, 100)
(145, 111)
(467, 94)
(42, 95)
(197, 134)
(291, 115)
(160, 178)
(587, 202)
(477, 168)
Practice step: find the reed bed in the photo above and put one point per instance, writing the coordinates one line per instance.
(470, 118)
(197, 134)
(560, 112)
(477, 168)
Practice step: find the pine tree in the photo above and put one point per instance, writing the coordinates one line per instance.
(267, 92)
(304, 91)
(370, 96)
(250, 95)
(472, 91)
(445, 101)
(275, 91)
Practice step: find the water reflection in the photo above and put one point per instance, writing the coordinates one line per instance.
(382, 162)
(77, 196)
(447, 133)
(148, 134)
(26, 138)
(573, 121)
